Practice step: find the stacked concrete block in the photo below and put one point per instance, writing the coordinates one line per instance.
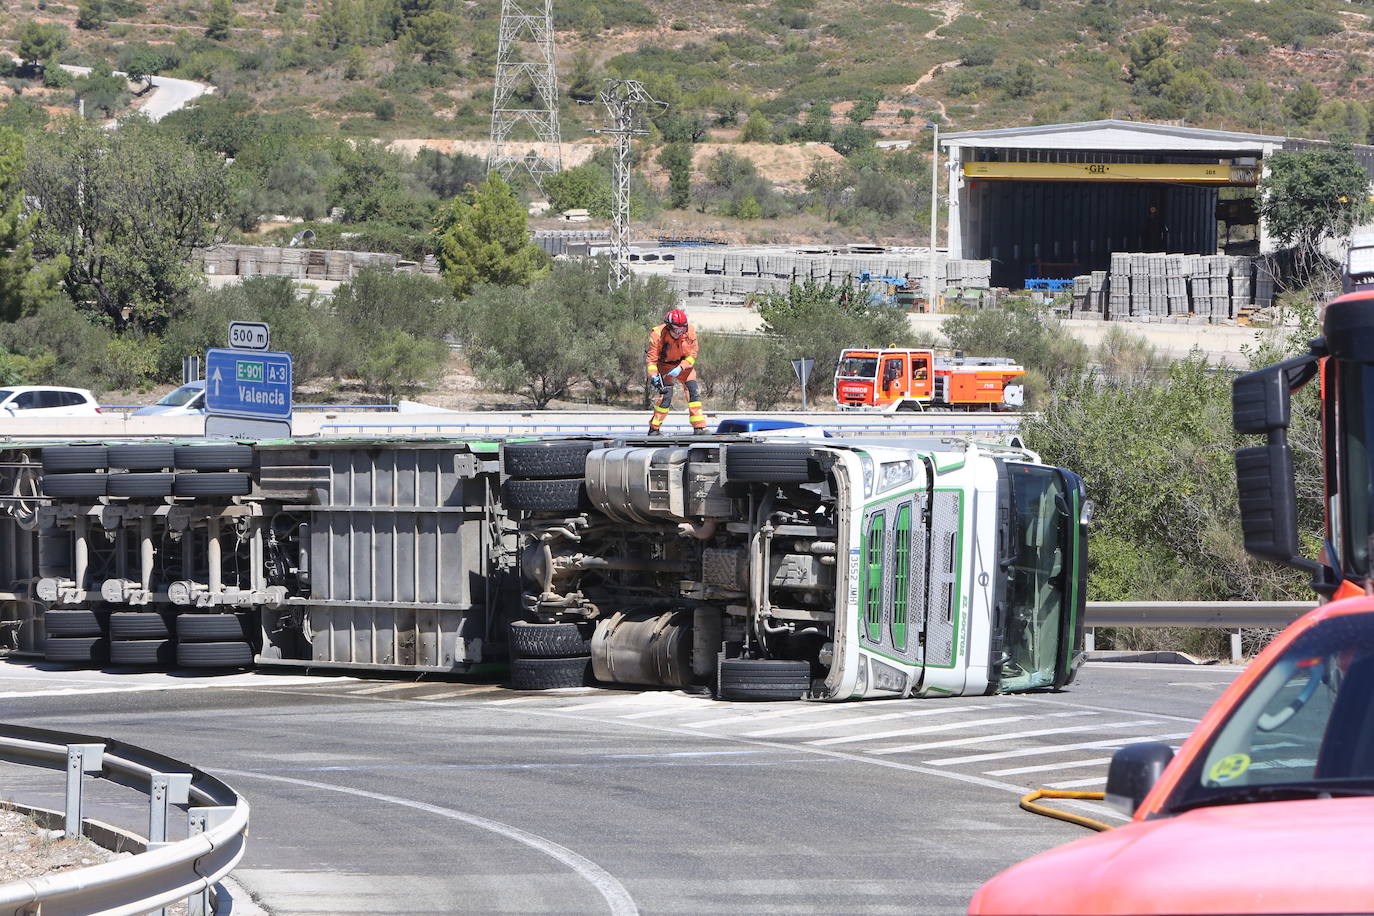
(1263, 284)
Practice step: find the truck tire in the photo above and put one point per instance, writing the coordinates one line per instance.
(137, 484)
(547, 640)
(547, 460)
(139, 625)
(73, 622)
(143, 652)
(771, 464)
(210, 627)
(212, 484)
(69, 485)
(763, 679)
(145, 456)
(550, 673)
(77, 650)
(75, 458)
(214, 457)
(546, 495)
(214, 654)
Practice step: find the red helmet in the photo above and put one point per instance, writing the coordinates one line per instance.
(675, 318)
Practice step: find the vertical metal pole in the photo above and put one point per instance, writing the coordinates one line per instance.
(145, 552)
(934, 226)
(198, 904)
(1090, 639)
(72, 826)
(81, 550)
(1237, 656)
(213, 557)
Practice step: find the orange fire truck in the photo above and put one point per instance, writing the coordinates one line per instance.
(893, 380)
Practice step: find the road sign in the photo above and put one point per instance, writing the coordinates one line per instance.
(802, 367)
(244, 383)
(249, 335)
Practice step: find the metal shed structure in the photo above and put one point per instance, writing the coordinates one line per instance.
(1056, 200)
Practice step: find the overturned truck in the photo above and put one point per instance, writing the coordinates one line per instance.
(780, 569)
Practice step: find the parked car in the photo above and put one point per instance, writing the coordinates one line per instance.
(47, 401)
(187, 400)
(1266, 808)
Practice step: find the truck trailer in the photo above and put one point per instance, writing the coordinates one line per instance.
(813, 567)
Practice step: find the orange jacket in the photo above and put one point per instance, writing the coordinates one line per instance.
(665, 352)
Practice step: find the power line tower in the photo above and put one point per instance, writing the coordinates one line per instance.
(624, 101)
(524, 61)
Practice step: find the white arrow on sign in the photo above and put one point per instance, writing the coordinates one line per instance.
(216, 378)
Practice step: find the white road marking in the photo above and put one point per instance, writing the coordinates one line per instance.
(904, 714)
(1045, 767)
(611, 890)
(778, 712)
(924, 729)
(1078, 783)
(465, 692)
(1033, 751)
(386, 688)
(1010, 736)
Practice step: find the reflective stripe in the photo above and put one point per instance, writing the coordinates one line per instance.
(653, 369)
(662, 410)
(694, 405)
(691, 360)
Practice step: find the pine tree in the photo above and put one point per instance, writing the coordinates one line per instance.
(483, 238)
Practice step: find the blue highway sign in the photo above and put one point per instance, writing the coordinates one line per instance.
(248, 383)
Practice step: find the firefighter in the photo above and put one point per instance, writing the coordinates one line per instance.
(671, 357)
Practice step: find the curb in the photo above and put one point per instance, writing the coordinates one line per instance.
(1151, 658)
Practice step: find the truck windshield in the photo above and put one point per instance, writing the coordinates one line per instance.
(1039, 584)
(1303, 730)
(859, 367)
(1354, 423)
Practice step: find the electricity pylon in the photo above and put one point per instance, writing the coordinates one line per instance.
(523, 33)
(624, 101)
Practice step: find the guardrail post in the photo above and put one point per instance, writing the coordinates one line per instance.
(81, 758)
(167, 789)
(199, 820)
(1090, 639)
(1237, 656)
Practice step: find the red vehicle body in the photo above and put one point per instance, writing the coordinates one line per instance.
(917, 379)
(1268, 807)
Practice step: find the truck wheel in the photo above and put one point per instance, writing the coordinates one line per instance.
(212, 484)
(763, 679)
(138, 625)
(547, 640)
(771, 464)
(77, 650)
(143, 652)
(72, 622)
(68, 485)
(550, 673)
(547, 495)
(144, 485)
(210, 627)
(547, 460)
(147, 456)
(213, 457)
(214, 654)
(75, 458)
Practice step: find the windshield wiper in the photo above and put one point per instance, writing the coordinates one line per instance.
(1241, 795)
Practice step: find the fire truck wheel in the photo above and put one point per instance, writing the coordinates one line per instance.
(75, 458)
(763, 679)
(143, 652)
(210, 627)
(547, 460)
(139, 625)
(73, 622)
(77, 650)
(547, 640)
(771, 464)
(550, 673)
(214, 654)
(547, 495)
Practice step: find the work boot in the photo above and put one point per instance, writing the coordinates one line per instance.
(699, 431)
(655, 431)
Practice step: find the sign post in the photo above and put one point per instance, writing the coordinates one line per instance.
(802, 368)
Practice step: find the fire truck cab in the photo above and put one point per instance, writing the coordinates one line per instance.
(917, 379)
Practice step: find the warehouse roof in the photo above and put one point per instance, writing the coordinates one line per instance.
(1114, 135)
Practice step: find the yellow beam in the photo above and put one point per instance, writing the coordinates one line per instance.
(1244, 175)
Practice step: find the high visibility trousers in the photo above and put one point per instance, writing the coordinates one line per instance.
(665, 404)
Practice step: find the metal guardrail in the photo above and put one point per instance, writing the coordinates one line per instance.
(1229, 615)
(167, 871)
(481, 430)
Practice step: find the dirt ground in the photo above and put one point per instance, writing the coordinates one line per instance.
(28, 850)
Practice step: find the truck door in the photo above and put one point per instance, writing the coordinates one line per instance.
(922, 383)
(892, 378)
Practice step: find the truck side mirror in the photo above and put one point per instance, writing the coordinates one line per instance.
(1133, 772)
(1260, 400)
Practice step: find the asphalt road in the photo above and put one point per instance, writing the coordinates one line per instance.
(391, 797)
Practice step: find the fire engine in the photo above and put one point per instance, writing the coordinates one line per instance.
(892, 380)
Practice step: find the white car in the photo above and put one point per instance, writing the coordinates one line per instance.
(47, 401)
(188, 400)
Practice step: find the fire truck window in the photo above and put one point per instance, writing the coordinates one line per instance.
(918, 371)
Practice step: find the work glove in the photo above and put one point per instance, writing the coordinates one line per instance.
(676, 371)
(657, 382)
